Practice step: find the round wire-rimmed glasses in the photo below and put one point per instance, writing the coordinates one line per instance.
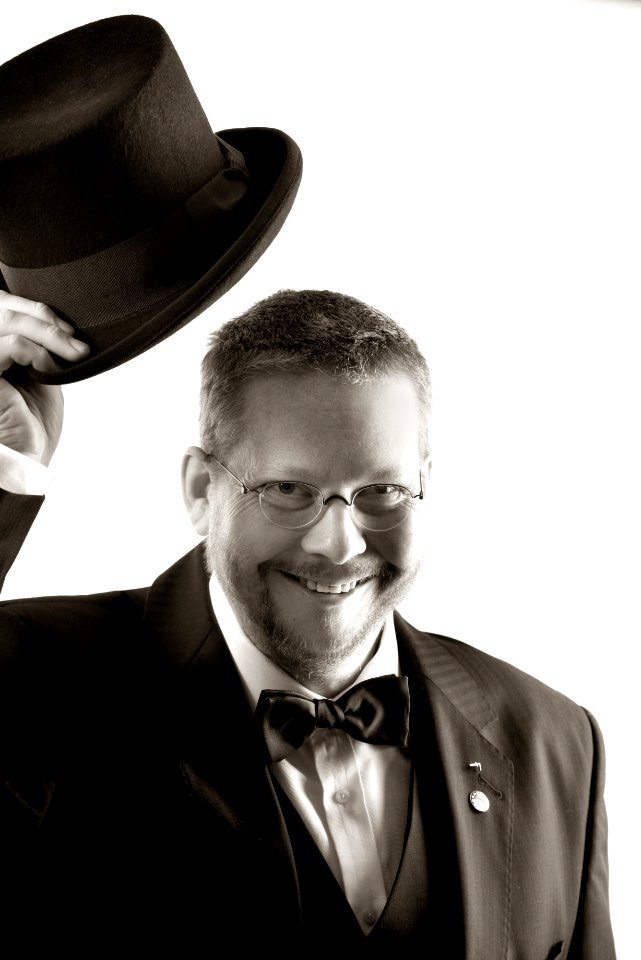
(293, 504)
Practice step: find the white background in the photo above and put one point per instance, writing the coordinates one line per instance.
(473, 169)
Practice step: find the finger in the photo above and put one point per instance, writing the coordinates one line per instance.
(43, 328)
(11, 301)
(26, 353)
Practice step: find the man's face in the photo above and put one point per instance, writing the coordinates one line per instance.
(338, 437)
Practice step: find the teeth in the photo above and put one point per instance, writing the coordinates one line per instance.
(328, 587)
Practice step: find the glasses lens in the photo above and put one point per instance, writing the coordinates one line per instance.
(291, 504)
(382, 506)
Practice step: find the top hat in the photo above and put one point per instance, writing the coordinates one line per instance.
(119, 205)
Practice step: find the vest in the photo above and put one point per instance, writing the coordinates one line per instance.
(423, 913)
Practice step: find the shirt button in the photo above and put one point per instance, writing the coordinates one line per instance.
(341, 796)
(370, 918)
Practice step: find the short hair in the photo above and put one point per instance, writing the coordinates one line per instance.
(298, 332)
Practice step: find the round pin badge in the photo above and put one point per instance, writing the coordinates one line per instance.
(479, 801)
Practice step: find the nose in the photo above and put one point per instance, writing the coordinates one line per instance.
(335, 535)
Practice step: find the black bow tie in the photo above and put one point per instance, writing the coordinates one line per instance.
(374, 711)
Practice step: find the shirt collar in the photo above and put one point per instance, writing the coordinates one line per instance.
(259, 673)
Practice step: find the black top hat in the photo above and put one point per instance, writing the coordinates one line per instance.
(119, 205)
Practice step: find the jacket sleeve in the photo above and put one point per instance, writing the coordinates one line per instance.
(17, 513)
(593, 938)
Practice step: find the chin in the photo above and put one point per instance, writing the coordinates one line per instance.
(313, 645)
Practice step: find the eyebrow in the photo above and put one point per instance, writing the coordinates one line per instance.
(392, 475)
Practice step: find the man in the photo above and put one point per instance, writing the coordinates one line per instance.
(161, 792)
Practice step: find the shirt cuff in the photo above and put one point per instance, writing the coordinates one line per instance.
(22, 474)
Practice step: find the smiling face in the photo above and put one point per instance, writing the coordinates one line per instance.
(314, 599)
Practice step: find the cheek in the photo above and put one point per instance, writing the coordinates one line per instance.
(239, 528)
(229, 520)
(242, 509)
(402, 546)
(230, 513)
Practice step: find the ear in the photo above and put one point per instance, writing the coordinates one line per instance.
(195, 486)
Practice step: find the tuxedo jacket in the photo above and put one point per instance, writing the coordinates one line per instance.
(137, 812)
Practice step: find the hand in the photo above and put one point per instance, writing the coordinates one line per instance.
(31, 413)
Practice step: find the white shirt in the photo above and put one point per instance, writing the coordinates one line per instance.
(21, 474)
(351, 796)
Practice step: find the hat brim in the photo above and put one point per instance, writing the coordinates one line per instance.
(275, 164)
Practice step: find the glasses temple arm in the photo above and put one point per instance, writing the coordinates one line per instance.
(246, 489)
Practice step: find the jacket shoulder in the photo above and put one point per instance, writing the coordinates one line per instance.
(60, 626)
(511, 692)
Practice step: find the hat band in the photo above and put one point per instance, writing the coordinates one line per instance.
(145, 269)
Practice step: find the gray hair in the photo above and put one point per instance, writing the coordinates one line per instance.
(298, 332)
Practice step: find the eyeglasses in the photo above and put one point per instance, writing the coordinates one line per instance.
(292, 504)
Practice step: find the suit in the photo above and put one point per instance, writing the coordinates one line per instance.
(135, 797)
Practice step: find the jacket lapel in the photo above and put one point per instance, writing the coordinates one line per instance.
(463, 721)
(208, 725)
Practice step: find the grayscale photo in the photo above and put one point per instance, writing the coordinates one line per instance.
(319, 479)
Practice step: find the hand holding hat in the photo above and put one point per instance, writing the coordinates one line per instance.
(119, 205)
(31, 413)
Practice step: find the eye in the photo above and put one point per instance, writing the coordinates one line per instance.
(388, 492)
(287, 487)
(296, 494)
(380, 496)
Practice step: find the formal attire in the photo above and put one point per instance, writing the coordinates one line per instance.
(351, 795)
(138, 811)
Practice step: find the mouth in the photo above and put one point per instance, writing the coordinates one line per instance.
(314, 586)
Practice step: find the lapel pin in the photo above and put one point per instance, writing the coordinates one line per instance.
(479, 802)
(475, 765)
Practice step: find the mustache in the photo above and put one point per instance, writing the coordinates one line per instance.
(332, 574)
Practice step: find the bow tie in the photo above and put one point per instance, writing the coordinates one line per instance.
(374, 711)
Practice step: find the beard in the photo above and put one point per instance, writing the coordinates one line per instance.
(313, 657)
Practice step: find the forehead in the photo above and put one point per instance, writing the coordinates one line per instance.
(328, 427)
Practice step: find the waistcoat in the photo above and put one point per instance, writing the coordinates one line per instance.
(423, 910)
